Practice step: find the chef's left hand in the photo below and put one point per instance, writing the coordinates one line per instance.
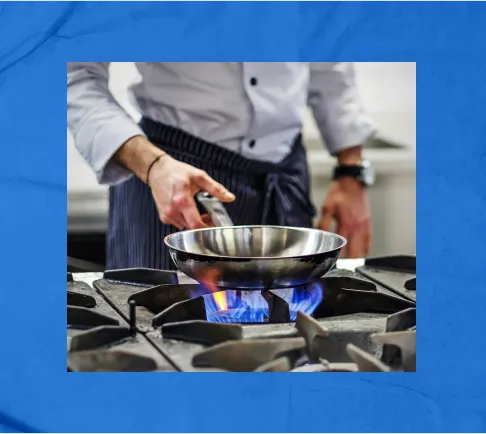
(347, 204)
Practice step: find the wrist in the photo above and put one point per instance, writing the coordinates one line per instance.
(137, 154)
(351, 156)
(351, 166)
(348, 182)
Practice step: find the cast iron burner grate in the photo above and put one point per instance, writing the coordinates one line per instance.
(314, 349)
(99, 339)
(328, 297)
(396, 273)
(343, 322)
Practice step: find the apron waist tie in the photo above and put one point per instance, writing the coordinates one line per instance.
(279, 188)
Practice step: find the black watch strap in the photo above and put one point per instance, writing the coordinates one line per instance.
(348, 171)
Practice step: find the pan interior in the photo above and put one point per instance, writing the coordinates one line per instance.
(255, 241)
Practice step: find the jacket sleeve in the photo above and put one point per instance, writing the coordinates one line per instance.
(98, 123)
(337, 109)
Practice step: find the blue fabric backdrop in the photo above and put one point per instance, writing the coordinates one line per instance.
(447, 40)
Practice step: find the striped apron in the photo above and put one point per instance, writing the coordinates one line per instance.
(266, 193)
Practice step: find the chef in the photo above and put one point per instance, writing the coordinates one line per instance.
(232, 130)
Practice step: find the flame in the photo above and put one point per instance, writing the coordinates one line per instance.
(235, 306)
(211, 276)
(221, 300)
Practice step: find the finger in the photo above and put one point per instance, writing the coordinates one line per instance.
(178, 222)
(186, 205)
(209, 185)
(207, 220)
(343, 231)
(175, 219)
(368, 240)
(326, 221)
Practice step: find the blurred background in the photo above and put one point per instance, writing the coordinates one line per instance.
(388, 93)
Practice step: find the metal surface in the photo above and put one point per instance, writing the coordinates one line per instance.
(215, 209)
(282, 364)
(161, 297)
(109, 361)
(366, 362)
(398, 322)
(248, 355)
(254, 257)
(352, 309)
(176, 303)
(396, 273)
(202, 332)
(80, 300)
(278, 308)
(132, 320)
(405, 263)
(313, 333)
(81, 317)
(87, 334)
(193, 309)
(411, 284)
(325, 366)
(406, 341)
(340, 301)
(98, 337)
(142, 276)
(401, 321)
(78, 265)
(329, 346)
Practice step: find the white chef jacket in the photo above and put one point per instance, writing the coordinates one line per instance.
(254, 109)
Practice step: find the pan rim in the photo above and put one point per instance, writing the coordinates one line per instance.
(343, 240)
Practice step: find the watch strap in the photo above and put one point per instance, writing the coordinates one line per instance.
(348, 171)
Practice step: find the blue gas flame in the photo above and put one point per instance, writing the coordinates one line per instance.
(251, 307)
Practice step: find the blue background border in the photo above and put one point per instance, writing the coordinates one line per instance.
(447, 40)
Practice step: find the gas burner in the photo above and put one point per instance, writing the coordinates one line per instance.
(334, 295)
(154, 320)
(328, 297)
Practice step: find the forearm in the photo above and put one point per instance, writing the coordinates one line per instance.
(136, 155)
(350, 156)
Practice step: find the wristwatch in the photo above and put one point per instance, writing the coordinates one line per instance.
(362, 172)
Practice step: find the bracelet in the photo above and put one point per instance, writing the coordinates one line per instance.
(152, 165)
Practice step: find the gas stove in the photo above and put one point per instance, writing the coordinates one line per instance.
(140, 319)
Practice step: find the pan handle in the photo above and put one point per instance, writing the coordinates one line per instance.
(215, 209)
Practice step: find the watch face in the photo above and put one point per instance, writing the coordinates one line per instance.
(368, 173)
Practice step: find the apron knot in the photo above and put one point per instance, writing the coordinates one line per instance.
(285, 199)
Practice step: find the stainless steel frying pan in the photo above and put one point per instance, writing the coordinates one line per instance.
(252, 257)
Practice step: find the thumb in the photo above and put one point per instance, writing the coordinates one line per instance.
(210, 186)
(326, 221)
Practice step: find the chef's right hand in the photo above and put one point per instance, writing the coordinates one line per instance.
(174, 185)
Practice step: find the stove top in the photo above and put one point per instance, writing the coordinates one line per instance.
(153, 320)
